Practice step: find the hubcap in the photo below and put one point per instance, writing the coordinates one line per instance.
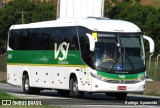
(27, 84)
(75, 87)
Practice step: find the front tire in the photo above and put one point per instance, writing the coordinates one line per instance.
(26, 86)
(74, 92)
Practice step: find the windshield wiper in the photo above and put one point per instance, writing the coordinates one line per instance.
(102, 68)
(130, 62)
(116, 60)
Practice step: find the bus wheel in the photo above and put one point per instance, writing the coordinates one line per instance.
(26, 86)
(121, 96)
(74, 88)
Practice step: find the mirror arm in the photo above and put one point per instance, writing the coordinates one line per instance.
(151, 43)
(91, 41)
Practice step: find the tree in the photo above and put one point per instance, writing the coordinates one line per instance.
(25, 11)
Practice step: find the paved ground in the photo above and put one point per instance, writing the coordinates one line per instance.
(100, 100)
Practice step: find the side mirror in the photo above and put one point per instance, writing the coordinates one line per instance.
(91, 41)
(151, 43)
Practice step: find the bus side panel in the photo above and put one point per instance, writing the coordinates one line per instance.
(87, 80)
(14, 75)
(49, 77)
(41, 76)
(60, 77)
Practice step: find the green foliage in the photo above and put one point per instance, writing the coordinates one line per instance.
(23, 11)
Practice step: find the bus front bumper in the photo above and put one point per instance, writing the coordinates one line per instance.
(101, 86)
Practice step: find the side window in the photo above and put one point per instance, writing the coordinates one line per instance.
(47, 38)
(11, 39)
(14, 39)
(36, 39)
(71, 35)
(25, 40)
(84, 45)
(59, 35)
(84, 41)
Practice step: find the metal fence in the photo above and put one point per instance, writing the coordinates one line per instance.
(153, 67)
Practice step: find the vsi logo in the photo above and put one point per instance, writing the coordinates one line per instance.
(63, 47)
(122, 76)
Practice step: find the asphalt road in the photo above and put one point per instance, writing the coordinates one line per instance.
(97, 100)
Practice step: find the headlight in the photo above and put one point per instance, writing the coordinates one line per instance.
(141, 77)
(99, 77)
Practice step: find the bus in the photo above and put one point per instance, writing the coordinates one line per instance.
(77, 55)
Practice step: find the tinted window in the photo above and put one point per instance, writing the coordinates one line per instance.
(59, 35)
(24, 40)
(84, 45)
(14, 39)
(71, 37)
(11, 39)
(47, 36)
(43, 38)
(36, 42)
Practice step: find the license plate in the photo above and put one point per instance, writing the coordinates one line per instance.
(122, 88)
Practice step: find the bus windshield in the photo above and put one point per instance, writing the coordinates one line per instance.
(119, 53)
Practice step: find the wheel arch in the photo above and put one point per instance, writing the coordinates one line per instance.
(74, 75)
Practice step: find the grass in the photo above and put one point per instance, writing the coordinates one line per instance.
(153, 93)
(3, 81)
(6, 96)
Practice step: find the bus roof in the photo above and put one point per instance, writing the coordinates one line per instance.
(95, 24)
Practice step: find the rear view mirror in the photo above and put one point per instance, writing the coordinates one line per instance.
(91, 41)
(151, 43)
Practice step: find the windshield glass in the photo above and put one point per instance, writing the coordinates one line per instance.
(119, 53)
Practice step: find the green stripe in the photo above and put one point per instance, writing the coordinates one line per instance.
(118, 76)
(43, 57)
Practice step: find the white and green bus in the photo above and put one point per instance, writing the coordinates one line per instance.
(74, 56)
